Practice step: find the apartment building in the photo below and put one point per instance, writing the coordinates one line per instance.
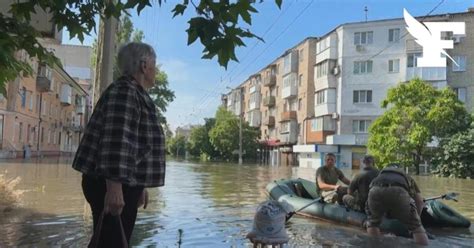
(42, 114)
(278, 99)
(356, 64)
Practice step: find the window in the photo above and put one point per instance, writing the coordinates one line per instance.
(360, 126)
(42, 134)
(285, 127)
(321, 97)
(28, 131)
(59, 138)
(362, 67)
(300, 80)
(322, 69)
(317, 124)
(49, 136)
(322, 45)
(20, 132)
(300, 55)
(362, 96)
(412, 59)
(276, 93)
(300, 104)
(23, 97)
(461, 93)
(30, 107)
(394, 65)
(393, 35)
(461, 63)
(293, 105)
(363, 38)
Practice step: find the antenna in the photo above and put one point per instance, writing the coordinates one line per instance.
(366, 10)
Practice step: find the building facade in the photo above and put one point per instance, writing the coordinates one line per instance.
(322, 95)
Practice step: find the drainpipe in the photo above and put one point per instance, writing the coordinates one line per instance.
(38, 152)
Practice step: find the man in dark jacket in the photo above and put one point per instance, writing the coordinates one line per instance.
(396, 193)
(358, 191)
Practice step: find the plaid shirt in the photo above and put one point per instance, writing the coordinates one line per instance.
(123, 140)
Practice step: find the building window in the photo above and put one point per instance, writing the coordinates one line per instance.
(362, 67)
(360, 126)
(461, 93)
(316, 124)
(322, 69)
(59, 139)
(300, 80)
(300, 55)
(394, 65)
(300, 104)
(276, 94)
(363, 38)
(28, 131)
(31, 101)
(412, 59)
(321, 97)
(394, 35)
(285, 127)
(461, 63)
(20, 132)
(362, 96)
(42, 134)
(322, 45)
(23, 97)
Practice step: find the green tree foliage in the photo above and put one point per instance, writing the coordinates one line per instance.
(176, 146)
(456, 157)
(199, 144)
(214, 23)
(224, 136)
(415, 113)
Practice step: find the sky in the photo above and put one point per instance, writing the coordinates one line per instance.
(198, 83)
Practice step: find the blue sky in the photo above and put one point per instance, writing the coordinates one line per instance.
(197, 82)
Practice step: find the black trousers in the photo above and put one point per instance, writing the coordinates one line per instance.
(94, 189)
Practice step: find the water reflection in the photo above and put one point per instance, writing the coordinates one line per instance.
(202, 205)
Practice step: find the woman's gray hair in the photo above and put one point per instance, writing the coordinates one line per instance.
(131, 55)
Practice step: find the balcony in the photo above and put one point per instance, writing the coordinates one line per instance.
(288, 138)
(269, 101)
(44, 81)
(66, 94)
(254, 118)
(269, 121)
(290, 86)
(254, 101)
(288, 116)
(269, 80)
(254, 89)
(80, 109)
(341, 139)
(290, 62)
(361, 139)
(427, 73)
(412, 46)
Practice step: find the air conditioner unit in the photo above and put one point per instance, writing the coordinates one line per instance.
(335, 116)
(360, 48)
(336, 70)
(456, 39)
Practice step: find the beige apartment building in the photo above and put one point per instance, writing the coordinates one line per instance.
(43, 113)
(279, 99)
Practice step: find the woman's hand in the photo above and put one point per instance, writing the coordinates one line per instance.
(143, 201)
(113, 202)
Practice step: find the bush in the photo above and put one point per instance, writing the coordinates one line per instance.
(456, 156)
(9, 196)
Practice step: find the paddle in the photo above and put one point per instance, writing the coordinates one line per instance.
(447, 196)
(290, 214)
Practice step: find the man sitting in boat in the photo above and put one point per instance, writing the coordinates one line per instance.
(358, 190)
(395, 193)
(327, 177)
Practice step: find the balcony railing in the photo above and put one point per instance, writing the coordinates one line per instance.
(66, 94)
(44, 79)
(427, 73)
(288, 116)
(269, 80)
(269, 101)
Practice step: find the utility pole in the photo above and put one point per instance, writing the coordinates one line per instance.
(105, 56)
(240, 123)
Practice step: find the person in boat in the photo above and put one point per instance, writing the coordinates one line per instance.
(327, 177)
(395, 193)
(122, 151)
(358, 190)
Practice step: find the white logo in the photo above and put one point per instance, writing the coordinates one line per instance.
(429, 38)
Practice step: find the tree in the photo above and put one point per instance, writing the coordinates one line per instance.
(199, 144)
(176, 146)
(415, 113)
(223, 136)
(455, 158)
(216, 24)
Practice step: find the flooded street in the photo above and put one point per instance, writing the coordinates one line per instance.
(201, 205)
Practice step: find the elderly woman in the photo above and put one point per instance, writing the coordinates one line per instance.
(122, 150)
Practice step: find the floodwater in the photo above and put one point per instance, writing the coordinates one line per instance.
(202, 205)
